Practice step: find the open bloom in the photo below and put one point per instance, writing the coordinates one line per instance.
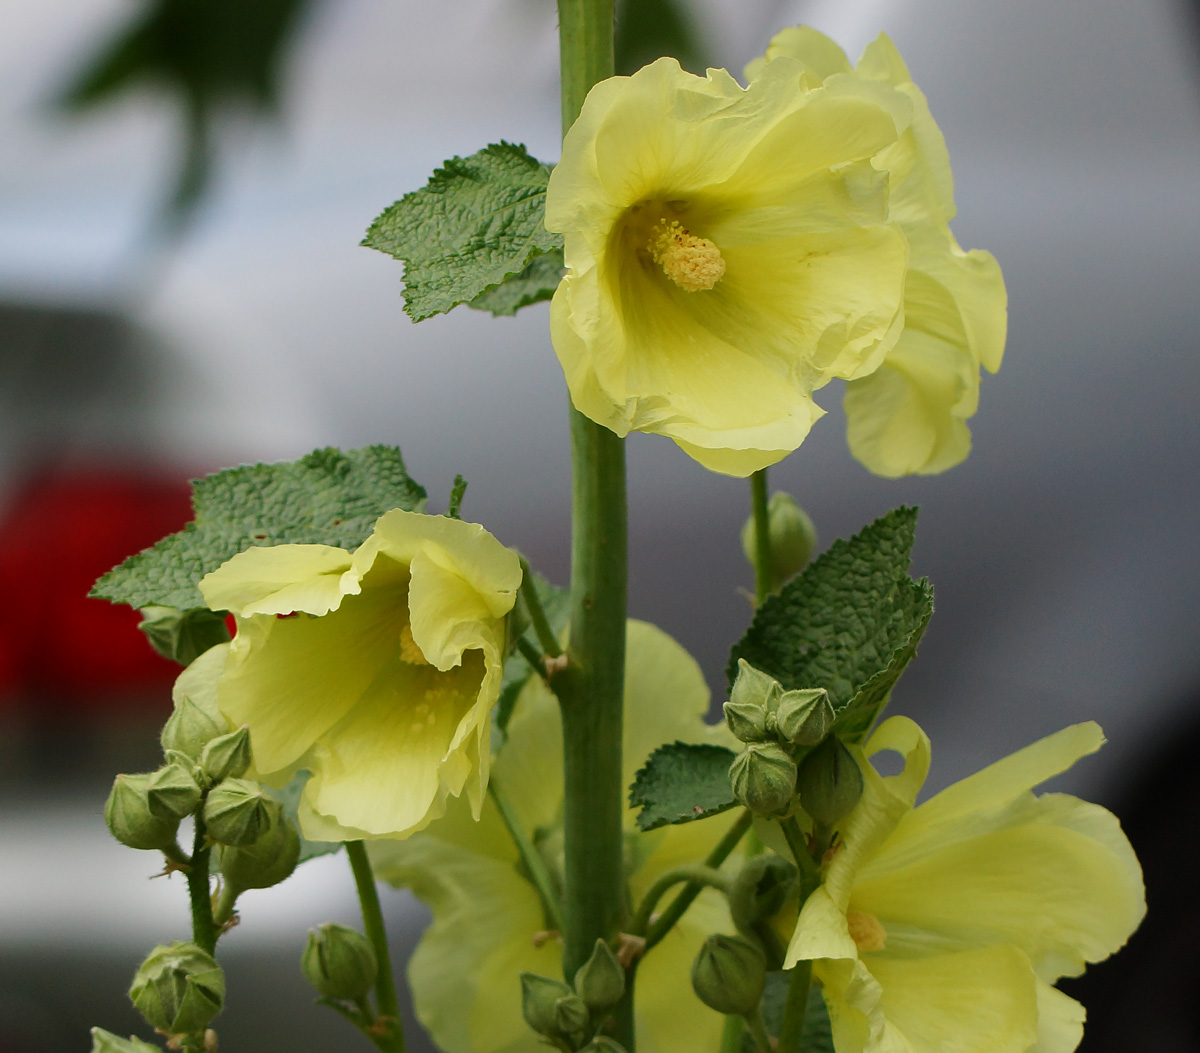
(376, 671)
(488, 921)
(729, 251)
(910, 414)
(943, 927)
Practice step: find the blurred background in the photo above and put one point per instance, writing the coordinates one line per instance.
(181, 289)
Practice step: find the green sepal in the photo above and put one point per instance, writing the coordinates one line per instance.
(681, 782)
(325, 498)
(474, 225)
(106, 1042)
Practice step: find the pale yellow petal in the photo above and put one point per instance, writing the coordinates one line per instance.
(815, 50)
(1060, 1021)
(281, 579)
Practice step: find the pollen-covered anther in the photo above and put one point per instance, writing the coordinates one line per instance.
(409, 651)
(866, 932)
(694, 264)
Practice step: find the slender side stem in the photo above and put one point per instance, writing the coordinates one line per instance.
(792, 1031)
(541, 624)
(764, 579)
(532, 655)
(758, 1031)
(731, 1034)
(529, 854)
(226, 903)
(204, 929)
(679, 905)
(695, 874)
(387, 1034)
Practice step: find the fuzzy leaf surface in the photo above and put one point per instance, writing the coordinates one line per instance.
(475, 224)
(681, 782)
(325, 498)
(534, 284)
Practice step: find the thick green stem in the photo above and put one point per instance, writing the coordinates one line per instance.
(204, 929)
(529, 855)
(764, 579)
(792, 1031)
(696, 874)
(387, 1032)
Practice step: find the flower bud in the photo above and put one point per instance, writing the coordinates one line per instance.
(226, 756)
(178, 989)
(237, 812)
(129, 818)
(571, 1016)
(747, 721)
(804, 717)
(829, 782)
(183, 636)
(172, 792)
(600, 981)
(267, 861)
(189, 728)
(760, 889)
(793, 538)
(539, 1003)
(339, 962)
(729, 974)
(753, 687)
(764, 778)
(106, 1042)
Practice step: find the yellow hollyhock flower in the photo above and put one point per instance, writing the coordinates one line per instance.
(728, 252)
(488, 922)
(376, 671)
(909, 416)
(943, 927)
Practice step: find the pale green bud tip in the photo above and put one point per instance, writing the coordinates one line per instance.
(805, 717)
(764, 778)
(793, 537)
(829, 782)
(747, 721)
(172, 792)
(189, 728)
(600, 981)
(539, 1003)
(339, 962)
(106, 1042)
(130, 819)
(227, 756)
(571, 1016)
(237, 812)
(729, 974)
(753, 687)
(266, 862)
(178, 989)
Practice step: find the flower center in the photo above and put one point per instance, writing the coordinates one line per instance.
(865, 930)
(692, 263)
(409, 651)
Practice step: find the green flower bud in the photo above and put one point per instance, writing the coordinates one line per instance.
(764, 778)
(237, 812)
(183, 636)
(178, 989)
(753, 687)
(539, 1003)
(339, 962)
(760, 889)
(226, 756)
(189, 728)
(805, 717)
(106, 1042)
(571, 1016)
(829, 782)
(600, 981)
(129, 818)
(172, 792)
(264, 863)
(747, 721)
(793, 538)
(729, 974)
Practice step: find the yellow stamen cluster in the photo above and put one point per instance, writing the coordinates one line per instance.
(409, 651)
(866, 932)
(692, 263)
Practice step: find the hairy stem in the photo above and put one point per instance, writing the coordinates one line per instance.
(204, 929)
(387, 1032)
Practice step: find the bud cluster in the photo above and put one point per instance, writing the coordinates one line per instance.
(178, 989)
(569, 1016)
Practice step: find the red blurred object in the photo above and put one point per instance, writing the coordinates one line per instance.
(60, 649)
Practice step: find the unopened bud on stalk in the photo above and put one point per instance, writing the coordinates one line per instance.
(172, 792)
(129, 818)
(339, 962)
(793, 538)
(189, 728)
(804, 717)
(600, 981)
(572, 1017)
(829, 782)
(760, 889)
(183, 636)
(267, 861)
(227, 756)
(237, 812)
(729, 974)
(539, 1003)
(753, 687)
(764, 778)
(178, 989)
(747, 721)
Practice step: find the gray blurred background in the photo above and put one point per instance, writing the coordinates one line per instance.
(248, 325)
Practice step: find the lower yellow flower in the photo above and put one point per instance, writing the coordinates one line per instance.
(942, 928)
(376, 671)
(909, 415)
(488, 923)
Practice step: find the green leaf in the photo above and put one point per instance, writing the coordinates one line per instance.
(817, 1036)
(289, 797)
(849, 623)
(475, 224)
(106, 1042)
(556, 603)
(682, 781)
(534, 284)
(326, 498)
